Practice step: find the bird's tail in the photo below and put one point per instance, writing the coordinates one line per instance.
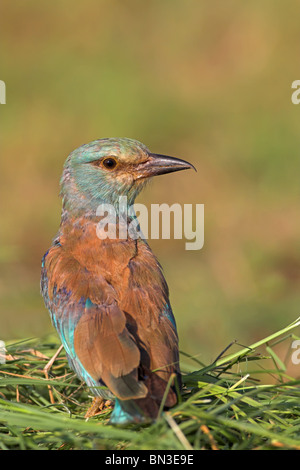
(128, 412)
(144, 410)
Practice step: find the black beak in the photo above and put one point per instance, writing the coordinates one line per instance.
(160, 165)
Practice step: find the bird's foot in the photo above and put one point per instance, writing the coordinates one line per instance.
(98, 406)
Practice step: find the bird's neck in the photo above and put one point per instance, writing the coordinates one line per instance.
(87, 202)
(117, 216)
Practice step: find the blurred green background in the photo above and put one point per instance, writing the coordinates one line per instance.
(209, 82)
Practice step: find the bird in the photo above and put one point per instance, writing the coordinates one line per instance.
(107, 297)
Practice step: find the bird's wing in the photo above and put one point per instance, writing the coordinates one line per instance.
(108, 351)
(91, 325)
(150, 320)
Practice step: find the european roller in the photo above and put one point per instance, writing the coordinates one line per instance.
(107, 297)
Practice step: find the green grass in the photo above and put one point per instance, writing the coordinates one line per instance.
(224, 405)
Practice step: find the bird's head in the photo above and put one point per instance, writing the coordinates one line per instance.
(106, 169)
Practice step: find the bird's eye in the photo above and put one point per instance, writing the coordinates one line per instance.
(109, 163)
